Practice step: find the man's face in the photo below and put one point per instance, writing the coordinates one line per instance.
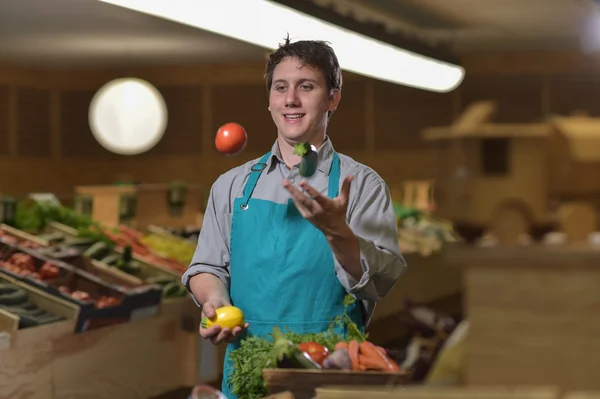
(299, 101)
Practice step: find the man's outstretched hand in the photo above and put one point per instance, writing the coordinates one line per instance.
(327, 214)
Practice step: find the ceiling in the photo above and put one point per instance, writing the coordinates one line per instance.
(480, 25)
(88, 33)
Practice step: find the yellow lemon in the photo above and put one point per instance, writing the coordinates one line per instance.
(227, 317)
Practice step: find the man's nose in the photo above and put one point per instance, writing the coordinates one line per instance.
(291, 98)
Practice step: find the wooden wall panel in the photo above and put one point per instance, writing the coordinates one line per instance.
(519, 98)
(246, 104)
(76, 139)
(575, 92)
(4, 120)
(401, 113)
(377, 123)
(347, 126)
(183, 135)
(33, 122)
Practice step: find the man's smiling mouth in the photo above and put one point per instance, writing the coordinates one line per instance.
(293, 117)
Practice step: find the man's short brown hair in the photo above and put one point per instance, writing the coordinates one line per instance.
(314, 53)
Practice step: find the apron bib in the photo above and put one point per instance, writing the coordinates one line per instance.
(282, 268)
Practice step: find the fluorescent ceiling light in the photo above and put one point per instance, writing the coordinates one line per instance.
(264, 23)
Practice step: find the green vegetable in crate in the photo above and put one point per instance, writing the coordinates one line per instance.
(288, 354)
(171, 247)
(15, 300)
(111, 259)
(53, 238)
(81, 241)
(127, 264)
(11, 295)
(162, 280)
(35, 216)
(97, 251)
(174, 289)
(310, 158)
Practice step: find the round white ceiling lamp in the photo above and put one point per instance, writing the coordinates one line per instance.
(128, 116)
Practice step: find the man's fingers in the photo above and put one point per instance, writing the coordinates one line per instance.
(345, 191)
(209, 310)
(304, 204)
(222, 336)
(218, 335)
(315, 195)
(297, 195)
(209, 332)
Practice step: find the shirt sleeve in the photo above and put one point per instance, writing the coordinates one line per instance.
(373, 221)
(212, 251)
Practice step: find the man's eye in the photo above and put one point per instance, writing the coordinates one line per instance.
(306, 87)
(280, 88)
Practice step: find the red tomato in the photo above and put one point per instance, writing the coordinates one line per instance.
(316, 351)
(231, 138)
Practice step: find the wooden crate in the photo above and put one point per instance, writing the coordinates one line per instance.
(136, 360)
(149, 269)
(9, 322)
(302, 383)
(111, 275)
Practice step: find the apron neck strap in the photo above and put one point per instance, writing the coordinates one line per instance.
(256, 170)
(333, 189)
(255, 173)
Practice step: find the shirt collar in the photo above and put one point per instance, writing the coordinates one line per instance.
(325, 153)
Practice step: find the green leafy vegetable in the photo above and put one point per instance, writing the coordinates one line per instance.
(258, 353)
(35, 215)
(301, 149)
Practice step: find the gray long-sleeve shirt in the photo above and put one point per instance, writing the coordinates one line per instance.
(370, 216)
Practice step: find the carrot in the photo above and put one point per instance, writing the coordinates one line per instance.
(353, 349)
(130, 232)
(372, 358)
(341, 345)
(381, 350)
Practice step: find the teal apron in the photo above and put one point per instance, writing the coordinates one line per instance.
(282, 267)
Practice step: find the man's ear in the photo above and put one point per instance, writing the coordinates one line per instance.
(335, 99)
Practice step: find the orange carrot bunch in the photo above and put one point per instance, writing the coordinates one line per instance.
(367, 356)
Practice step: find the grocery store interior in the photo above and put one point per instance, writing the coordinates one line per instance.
(482, 117)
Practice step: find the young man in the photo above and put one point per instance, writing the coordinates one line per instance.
(284, 249)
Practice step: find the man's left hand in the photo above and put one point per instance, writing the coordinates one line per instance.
(327, 214)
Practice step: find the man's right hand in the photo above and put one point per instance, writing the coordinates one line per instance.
(216, 334)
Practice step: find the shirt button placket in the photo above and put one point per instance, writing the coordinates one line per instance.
(293, 178)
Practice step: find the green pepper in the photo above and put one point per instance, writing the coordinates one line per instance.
(310, 158)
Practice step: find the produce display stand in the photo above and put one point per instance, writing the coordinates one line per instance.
(138, 359)
(149, 271)
(142, 343)
(533, 314)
